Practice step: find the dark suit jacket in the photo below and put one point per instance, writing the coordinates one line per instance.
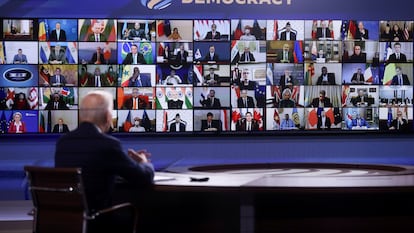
(178, 57)
(173, 129)
(395, 123)
(319, 33)
(360, 36)
(315, 102)
(283, 35)
(243, 126)
(331, 80)
(207, 103)
(53, 80)
(290, 57)
(243, 57)
(214, 124)
(101, 158)
(61, 105)
(208, 57)
(393, 58)
(129, 59)
(145, 81)
(209, 36)
(53, 35)
(95, 58)
(104, 81)
(327, 123)
(354, 78)
(250, 102)
(175, 104)
(140, 33)
(65, 128)
(362, 58)
(102, 37)
(357, 100)
(61, 56)
(404, 78)
(286, 103)
(208, 80)
(282, 81)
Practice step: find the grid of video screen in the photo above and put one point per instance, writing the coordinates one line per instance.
(208, 75)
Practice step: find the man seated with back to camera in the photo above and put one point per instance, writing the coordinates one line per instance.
(102, 159)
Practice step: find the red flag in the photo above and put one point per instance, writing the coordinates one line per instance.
(330, 115)
(128, 123)
(330, 25)
(258, 117)
(314, 29)
(165, 122)
(275, 30)
(223, 118)
(352, 29)
(406, 34)
(238, 32)
(160, 28)
(313, 118)
(235, 116)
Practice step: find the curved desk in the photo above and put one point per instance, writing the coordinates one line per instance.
(297, 197)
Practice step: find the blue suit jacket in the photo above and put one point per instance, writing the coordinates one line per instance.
(101, 158)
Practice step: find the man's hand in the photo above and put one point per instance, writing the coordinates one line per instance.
(141, 156)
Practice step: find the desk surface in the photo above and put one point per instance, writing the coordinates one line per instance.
(279, 177)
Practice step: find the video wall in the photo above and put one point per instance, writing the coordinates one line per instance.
(218, 75)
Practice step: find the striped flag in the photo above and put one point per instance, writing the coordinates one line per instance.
(188, 96)
(42, 126)
(126, 73)
(298, 52)
(405, 31)
(224, 122)
(44, 52)
(389, 120)
(276, 118)
(198, 71)
(368, 75)
(72, 53)
(389, 73)
(165, 122)
(275, 30)
(128, 122)
(43, 30)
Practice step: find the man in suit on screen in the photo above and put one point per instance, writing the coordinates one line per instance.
(210, 124)
(397, 56)
(245, 101)
(57, 34)
(288, 34)
(213, 34)
(134, 57)
(400, 78)
(97, 35)
(178, 125)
